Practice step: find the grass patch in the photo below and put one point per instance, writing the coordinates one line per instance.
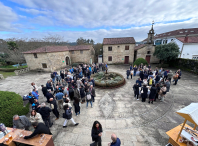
(6, 74)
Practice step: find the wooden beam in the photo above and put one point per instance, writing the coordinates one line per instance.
(181, 130)
(195, 127)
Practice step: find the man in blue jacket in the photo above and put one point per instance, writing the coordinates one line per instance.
(35, 94)
(115, 141)
(139, 81)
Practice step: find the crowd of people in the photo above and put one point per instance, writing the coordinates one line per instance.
(67, 91)
(152, 83)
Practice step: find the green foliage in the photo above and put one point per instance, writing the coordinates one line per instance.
(10, 105)
(167, 52)
(139, 61)
(81, 41)
(12, 45)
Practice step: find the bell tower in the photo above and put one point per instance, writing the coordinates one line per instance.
(150, 39)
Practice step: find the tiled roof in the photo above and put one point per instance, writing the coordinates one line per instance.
(48, 49)
(139, 46)
(114, 41)
(192, 39)
(179, 32)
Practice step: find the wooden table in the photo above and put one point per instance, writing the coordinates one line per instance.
(173, 134)
(48, 141)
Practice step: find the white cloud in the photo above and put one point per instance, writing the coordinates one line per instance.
(101, 15)
(92, 14)
(139, 33)
(7, 18)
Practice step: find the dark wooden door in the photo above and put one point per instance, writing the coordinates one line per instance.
(67, 60)
(148, 57)
(126, 60)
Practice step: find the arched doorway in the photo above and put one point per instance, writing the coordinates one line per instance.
(67, 60)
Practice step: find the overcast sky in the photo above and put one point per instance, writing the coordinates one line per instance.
(94, 19)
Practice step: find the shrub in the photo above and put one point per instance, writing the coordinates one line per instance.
(10, 105)
(139, 61)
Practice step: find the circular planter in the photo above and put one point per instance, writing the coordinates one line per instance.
(108, 84)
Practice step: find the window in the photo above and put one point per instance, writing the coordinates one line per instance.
(72, 52)
(109, 48)
(166, 41)
(35, 55)
(126, 47)
(110, 58)
(118, 46)
(148, 52)
(44, 65)
(172, 39)
(81, 52)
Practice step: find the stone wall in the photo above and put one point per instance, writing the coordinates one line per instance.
(84, 57)
(118, 53)
(56, 60)
(142, 52)
(52, 60)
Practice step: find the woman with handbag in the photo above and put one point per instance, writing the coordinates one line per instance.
(163, 90)
(144, 92)
(68, 116)
(96, 134)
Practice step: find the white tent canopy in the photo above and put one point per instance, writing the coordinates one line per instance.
(190, 113)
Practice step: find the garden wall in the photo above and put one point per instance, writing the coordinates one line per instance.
(186, 64)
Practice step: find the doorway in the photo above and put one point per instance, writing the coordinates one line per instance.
(148, 57)
(126, 60)
(67, 60)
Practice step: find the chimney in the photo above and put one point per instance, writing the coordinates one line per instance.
(186, 38)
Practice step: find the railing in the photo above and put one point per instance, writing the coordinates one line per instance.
(21, 71)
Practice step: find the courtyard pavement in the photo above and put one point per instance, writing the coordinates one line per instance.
(134, 122)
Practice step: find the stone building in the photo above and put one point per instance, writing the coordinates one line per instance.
(146, 50)
(50, 58)
(118, 50)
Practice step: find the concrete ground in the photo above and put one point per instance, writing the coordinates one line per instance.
(134, 122)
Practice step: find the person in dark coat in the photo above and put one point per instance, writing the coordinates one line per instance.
(152, 94)
(157, 91)
(49, 95)
(96, 133)
(145, 92)
(136, 90)
(36, 106)
(76, 92)
(135, 70)
(68, 116)
(82, 94)
(139, 81)
(128, 73)
(167, 85)
(76, 106)
(40, 128)
(92, 91)
(141, 74)
(157, 78)
(45, 113)
(44, 90)
(71, 92)
(55, 108)
(31, 98)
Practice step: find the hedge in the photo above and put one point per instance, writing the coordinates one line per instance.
(185, 64)
(10, 105)
(139, 61)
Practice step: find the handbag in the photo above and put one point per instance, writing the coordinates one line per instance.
(64, 116)
(93, 144)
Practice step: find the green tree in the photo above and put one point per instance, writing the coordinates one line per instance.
(12, 46)
(167, 52)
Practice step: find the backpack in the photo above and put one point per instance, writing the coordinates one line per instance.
(25, 97)
(89, 97)
(52, 75)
